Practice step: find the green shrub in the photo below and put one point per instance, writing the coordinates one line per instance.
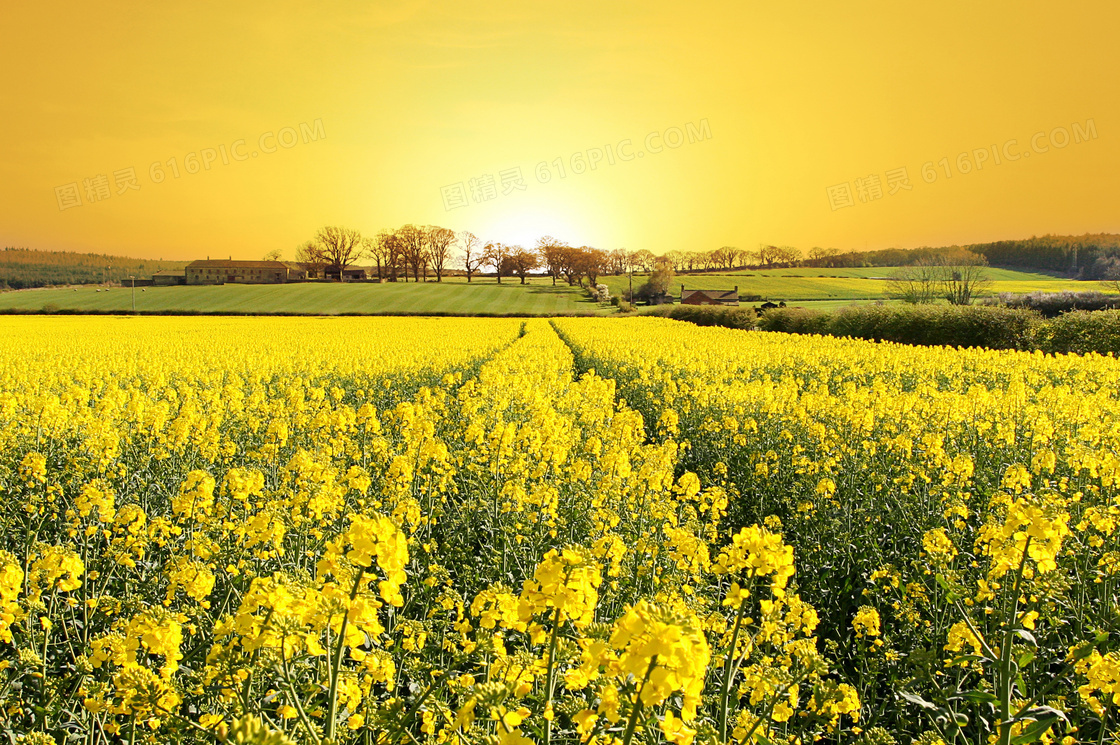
(934, 325)
(733, 317)
(1082, 332)
(795, 321)
(1053, 304)
(992, 327)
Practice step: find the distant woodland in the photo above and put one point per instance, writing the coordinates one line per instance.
(21, 268)
(1090, 256)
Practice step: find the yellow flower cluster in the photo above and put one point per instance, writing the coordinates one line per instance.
(668, 654)
(600, 531)
(866, 622)
(967, 495)
(566, 581)
(755, 552)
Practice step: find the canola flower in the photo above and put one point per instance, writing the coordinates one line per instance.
(967, 498)
(587, 531)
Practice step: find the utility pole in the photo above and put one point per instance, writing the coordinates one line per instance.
(133, 293)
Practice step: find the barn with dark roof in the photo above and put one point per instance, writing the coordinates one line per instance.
(709, 297)
(223, 271)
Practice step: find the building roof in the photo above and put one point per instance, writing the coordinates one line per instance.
(170, 273)
(712, 294)
(228, 264)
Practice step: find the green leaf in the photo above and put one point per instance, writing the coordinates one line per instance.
(976, 697)
(1034, 731)
(1025, 659)
(1039, 712)
(919, 701)
(1084, 650)
(1027, 636)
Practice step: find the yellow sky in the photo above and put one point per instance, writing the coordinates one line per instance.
(375, 114)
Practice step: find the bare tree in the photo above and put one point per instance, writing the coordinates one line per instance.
(688, 260)
(917, 284)
(678, 259)
(370, 250)
(789, 255)
(473, 256)
(307, 255)
(439, 248)
(770, 255)
(380, 249)
(495, 255)
(767, 255)
(413, 250)
(616, 262)
(522, 261)
(570, 264)
(642, 260)
(1112, 280)
(338, 247)
(391, 249)
(964, 276)
(817, 254)
(725, 256)
(553, 253)
(662, 275)
(273, 255)
(593, 261)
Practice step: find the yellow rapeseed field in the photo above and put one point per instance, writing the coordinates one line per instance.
(498, 532)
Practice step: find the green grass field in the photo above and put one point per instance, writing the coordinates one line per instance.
(483, 296)
(870, 283)
(824, 289)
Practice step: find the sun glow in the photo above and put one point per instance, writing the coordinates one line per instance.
(161, 132)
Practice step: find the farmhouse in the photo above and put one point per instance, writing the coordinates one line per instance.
(349, 274)
(297, 272)
(222, 271)
(166, 277)
(709, 297)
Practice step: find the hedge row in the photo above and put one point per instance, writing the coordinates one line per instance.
(1081, 332)
(1053, 304)
(708, 315)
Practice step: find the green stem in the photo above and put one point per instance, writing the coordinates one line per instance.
(1004, 681)
(630, 725)
(332, 696)
(295, 699)
(725, 688)
(551, 676)
(773, 702)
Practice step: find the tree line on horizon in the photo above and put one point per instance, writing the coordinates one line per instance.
(421, 251)
(1093, 256)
